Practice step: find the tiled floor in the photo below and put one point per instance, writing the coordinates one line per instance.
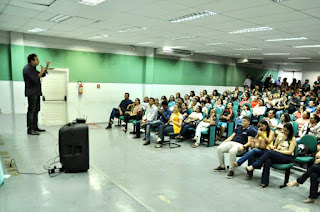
(124, 175)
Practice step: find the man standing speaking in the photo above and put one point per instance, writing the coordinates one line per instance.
(33, 91)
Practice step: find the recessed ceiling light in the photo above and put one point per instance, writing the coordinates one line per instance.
(217, 44)
(144, 43)
(170, 48)
(202, 51)
(192, 16)
(258, 29)
(132, 29)
(237, 54)
(59, 18)
(35, 30)
(185, 37)
(276, 53)
(299, 58)
(277, 0)
(248, 49)
(91, 2)
(97, 37)
(286, 39)
(307, 46)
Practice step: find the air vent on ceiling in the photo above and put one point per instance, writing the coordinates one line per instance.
(174, 52)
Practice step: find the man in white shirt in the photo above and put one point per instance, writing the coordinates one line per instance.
(247, 81)
(271, 118)
(271, 79)
(150, 115)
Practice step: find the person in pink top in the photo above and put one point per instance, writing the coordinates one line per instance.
(298, 113)
(304, 119)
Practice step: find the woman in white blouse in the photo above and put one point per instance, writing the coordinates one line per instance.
(188, 122)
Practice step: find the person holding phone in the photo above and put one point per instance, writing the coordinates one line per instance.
(33, 92)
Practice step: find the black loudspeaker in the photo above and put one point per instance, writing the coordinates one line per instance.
(74, 147)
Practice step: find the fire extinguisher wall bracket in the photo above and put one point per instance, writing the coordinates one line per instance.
(80, 87)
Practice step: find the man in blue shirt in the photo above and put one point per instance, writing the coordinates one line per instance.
(164, 115)
(33, 91)
(120, 110)
(278, 82)
(235, 144)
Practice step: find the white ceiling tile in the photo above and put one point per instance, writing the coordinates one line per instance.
(264, 10)
(222, 6)
(314, 12)
(278, 18)
(19, 11)
(112, 15)
(301, 5)
(11, 19)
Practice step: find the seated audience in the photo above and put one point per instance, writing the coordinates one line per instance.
(311, 108)
(173, 125)
(310, 128)
(120, 110)
(285, 118)
(304, 119)
(298, 113)
(189, 121)
(203, 126)
(225, 117)
(171, 102)
(314, 174)
(259, 145)
(234, 145)
(149, 116)
(164, 115)
(134, 113)
(245, 112)
(271, 119)
(281, 153)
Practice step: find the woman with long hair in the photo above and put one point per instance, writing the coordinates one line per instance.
(281, 153)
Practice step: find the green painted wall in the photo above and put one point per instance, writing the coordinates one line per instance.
(115, 68)
(5, 62)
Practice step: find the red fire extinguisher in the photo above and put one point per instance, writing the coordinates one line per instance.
(80, 87)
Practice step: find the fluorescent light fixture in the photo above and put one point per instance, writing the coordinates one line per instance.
(277, 0)
(91, 2)
(236, 54)
(202, 51)
(307, 46)
(276, 53)
(299, 58)
(286, 39)
(97, 37)
(256, 58)
(192, 16)
(132, 29)
(258, 29)
(144, 43)
(185, 37)
(59, 18)
(217, 44)
(169, 48)
(247, 49)
(35, 30)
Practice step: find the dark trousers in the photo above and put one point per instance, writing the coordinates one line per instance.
(164, 130)
(251, 156)
(184, 129)
(267, 159)
(32, 114)
(114, 113)
(314, 174)
(127, 117)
